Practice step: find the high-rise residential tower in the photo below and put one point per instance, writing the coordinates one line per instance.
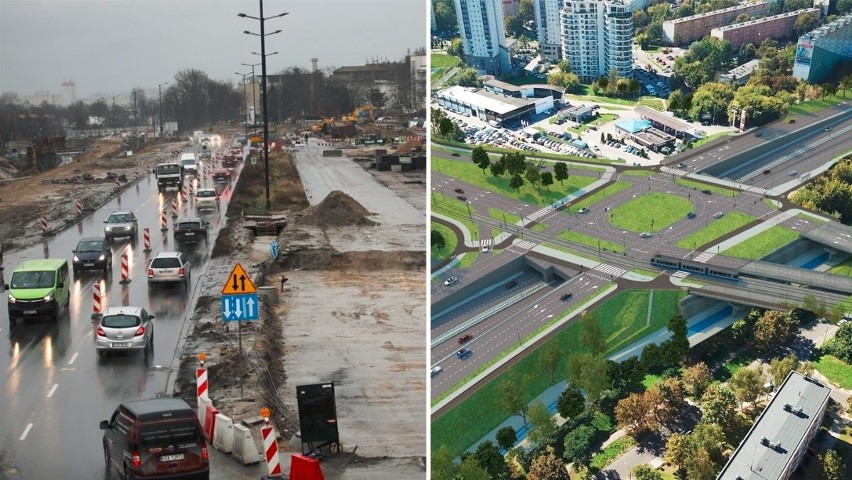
(483, 35)
(597, 37)
(549, 31)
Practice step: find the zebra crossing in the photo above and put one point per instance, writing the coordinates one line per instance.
(485, 244)
(680, 274)
(538, 214)
(610, 270)
(704, 257)
(524, 245)
(781, 217)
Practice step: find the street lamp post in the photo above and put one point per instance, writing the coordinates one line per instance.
(98, 116)
(245, 101)
(253, 88)
(160, 90)
(263, 36)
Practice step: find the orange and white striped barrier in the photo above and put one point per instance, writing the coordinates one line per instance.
(270, 449)
(201, 378)
(146, 240)
(136, 174)
(164, 223)
(125, 270)
(174, 208)
(79, 207)
(183, 194)
(43, 222)
(96, 301)
(117, 184)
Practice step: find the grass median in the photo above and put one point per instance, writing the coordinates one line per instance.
(716, 228)
(450, 242)
(650, 212)
(597, 196)
(623, 320)
(698, 186)
(763, 244)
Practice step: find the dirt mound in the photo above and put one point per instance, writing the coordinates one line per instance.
(326, 258)
(336, 210)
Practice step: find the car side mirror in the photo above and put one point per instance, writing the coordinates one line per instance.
(74, 251)
(151, 317)
(104, 425)
(5, 286)
(105, 221)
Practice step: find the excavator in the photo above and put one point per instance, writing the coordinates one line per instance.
(322, 125)
(361, 114)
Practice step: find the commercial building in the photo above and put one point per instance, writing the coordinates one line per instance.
(778, 440)
(489, 106)
(549, 33)
(741, 74)
(683, 31)
(578, 113)
(643, 133)
(666, 123)
(597, 37)
(542, 90)
(819, 52)
(776, 27)
(483, 35)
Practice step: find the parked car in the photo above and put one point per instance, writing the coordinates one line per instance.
(169, 267)
(451, 281)
(464, 353)
(465, 338)
(190, 230)
(128, 329)
(121, 224)
(92, 253)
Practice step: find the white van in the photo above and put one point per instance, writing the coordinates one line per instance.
(189, 164)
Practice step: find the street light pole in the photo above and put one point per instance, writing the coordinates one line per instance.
(253, 99)
(262, 36)
(245, 102)
(160, 90)
(113, 116)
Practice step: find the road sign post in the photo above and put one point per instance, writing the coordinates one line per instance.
(239, 301)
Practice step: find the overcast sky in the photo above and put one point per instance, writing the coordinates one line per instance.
(111, 46)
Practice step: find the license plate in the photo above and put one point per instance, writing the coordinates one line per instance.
(120, 345)
(88, 264)
(171, 458)
(167, 272)
(189, 234)
(29, 312)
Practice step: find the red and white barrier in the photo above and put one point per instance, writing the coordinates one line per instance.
(201, 383)
(117, 184)
(164, 223)
(43, 222)
(270, 448)
(125, 269)
(79, 207)
(96, 301)
(136, 174)
(183, 194)
(174, 208)
(146, 240)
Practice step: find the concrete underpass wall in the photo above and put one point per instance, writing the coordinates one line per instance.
(468, 289)
(791, 251)
(692, 305)
(549, 271)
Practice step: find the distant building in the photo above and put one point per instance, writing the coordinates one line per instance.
(643, 133)
(523, 91)
(776, 27)
(819, 52)
(403, 82)
(741, 74)
(597, 37)
(483, 35)
(578, 114)
(549, 33)
(683, 31)
(511, 7)
(69, 93)
(779, 438)
(489, 106)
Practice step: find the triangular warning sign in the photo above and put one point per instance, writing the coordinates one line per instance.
(238, 282)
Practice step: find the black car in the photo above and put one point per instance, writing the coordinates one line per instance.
(92, 253)
(566, 296)
(691, 215)
(512, 284)
(706, 192)
(191, 230)
(462, 198)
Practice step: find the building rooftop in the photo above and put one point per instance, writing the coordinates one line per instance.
(758, 21)
(666, 119)
(716, 12)
(776, 436)
(745, 69)
(633, 126)
(498, 104)
(654, 136)
(829, 28)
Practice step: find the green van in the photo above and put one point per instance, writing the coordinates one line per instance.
(38, 288)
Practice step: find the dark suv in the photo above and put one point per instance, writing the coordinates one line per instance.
(155, 438)
(191, 230)
(92, 253)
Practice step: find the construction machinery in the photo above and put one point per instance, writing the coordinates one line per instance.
(323, 125)
(360, 115)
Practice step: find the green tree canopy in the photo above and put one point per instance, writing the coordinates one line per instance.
(571, 402)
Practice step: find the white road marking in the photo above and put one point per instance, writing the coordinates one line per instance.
(73, 357)
(26, 431)
(52, 390)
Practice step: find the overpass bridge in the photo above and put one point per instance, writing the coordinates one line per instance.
(833, 235)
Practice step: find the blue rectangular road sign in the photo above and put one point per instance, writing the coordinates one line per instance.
(239, 307)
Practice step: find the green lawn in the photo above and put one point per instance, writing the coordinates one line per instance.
(763, 244)
(813, 106)
(717, 190)
(444, 61)
(715, 229)
(709, 138)
(812, 218)
(449, 208)
(771, 203)
(450, 241)
(571, 251)
(611, 452)
(589, 97)
(467, 259)
(842, 268)
(597, 196)
(650, 212)
(538, 227)
(835, 370)
(590, 241)
(653, 102)
(470, 173)
(622, 319)
(503, 216)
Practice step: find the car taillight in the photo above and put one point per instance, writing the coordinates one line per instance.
(137, 460)
(100, 331)
(139, 331)
(204, 451)
(181, 272)
(150, 272)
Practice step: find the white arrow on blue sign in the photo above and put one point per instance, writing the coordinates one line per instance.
(240, 307)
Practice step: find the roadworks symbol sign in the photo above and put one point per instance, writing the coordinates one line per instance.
(238, 282)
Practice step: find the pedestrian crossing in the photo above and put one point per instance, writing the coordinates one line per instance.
(610, 270)
(536, 215)
(525, 245)
(704, 257)
(486, 243)
(781, 217)
(680, 274)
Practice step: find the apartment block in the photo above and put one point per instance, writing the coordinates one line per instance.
(483, 35)
(819, 52)
(776, 27)
(683, 31)
(549, 33)
(597, 37)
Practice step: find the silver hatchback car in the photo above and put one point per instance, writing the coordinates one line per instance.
(125, 329)
(169, 267)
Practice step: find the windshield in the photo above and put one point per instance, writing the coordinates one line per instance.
(170, 168)
(189, 225)
(121, 321)
(206, 193)
(188, 162)
(90, 246)
(32, 279)
(120, 218)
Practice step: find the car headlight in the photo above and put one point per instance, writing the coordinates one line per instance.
(100, 259)
(48, 297)
(76, 259)
(12, 298)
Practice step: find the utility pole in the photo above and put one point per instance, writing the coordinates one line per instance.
(160, 90)
(253, 89)
(245, 101)
(113, 116)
